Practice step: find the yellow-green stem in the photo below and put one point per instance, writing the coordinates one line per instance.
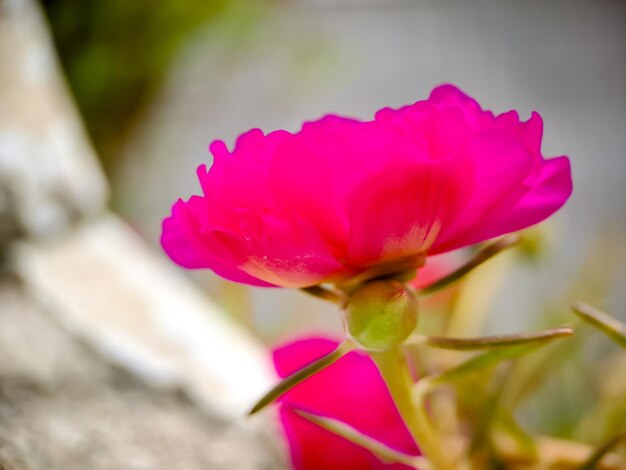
(393, 368)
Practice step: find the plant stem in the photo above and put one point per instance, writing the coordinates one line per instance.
(393, 368)
(485, 254)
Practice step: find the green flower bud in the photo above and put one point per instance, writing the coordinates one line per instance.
(381, 314)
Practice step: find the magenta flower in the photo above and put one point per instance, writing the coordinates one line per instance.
(341, 196)
(350, 390)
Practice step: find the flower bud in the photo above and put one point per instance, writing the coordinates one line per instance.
(381, 314)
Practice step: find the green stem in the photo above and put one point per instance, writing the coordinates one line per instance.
(394, 370)
(485, 254)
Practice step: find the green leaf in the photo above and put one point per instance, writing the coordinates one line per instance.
(614, 329)
(355, 436)
(487, 342)
(294, 379)
(486, 253)
(481, 361)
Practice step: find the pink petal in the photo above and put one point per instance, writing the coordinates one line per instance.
(246, 225)
(307, 174)
(183, 240)
(530, 132)
(350, 390)
(450, 95)
(315, 172)
(285, 249)
(547, 193)
(400, 212)
(240, 179)
(500, 165)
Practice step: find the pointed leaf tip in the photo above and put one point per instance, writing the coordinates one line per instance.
(613, 328)
(294, 379)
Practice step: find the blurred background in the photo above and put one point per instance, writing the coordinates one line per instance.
(155, 83)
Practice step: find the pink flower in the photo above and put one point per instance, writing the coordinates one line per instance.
(350, 390)
(342, 195)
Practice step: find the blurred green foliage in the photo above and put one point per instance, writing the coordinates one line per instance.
(116, 53)
(572, 389)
